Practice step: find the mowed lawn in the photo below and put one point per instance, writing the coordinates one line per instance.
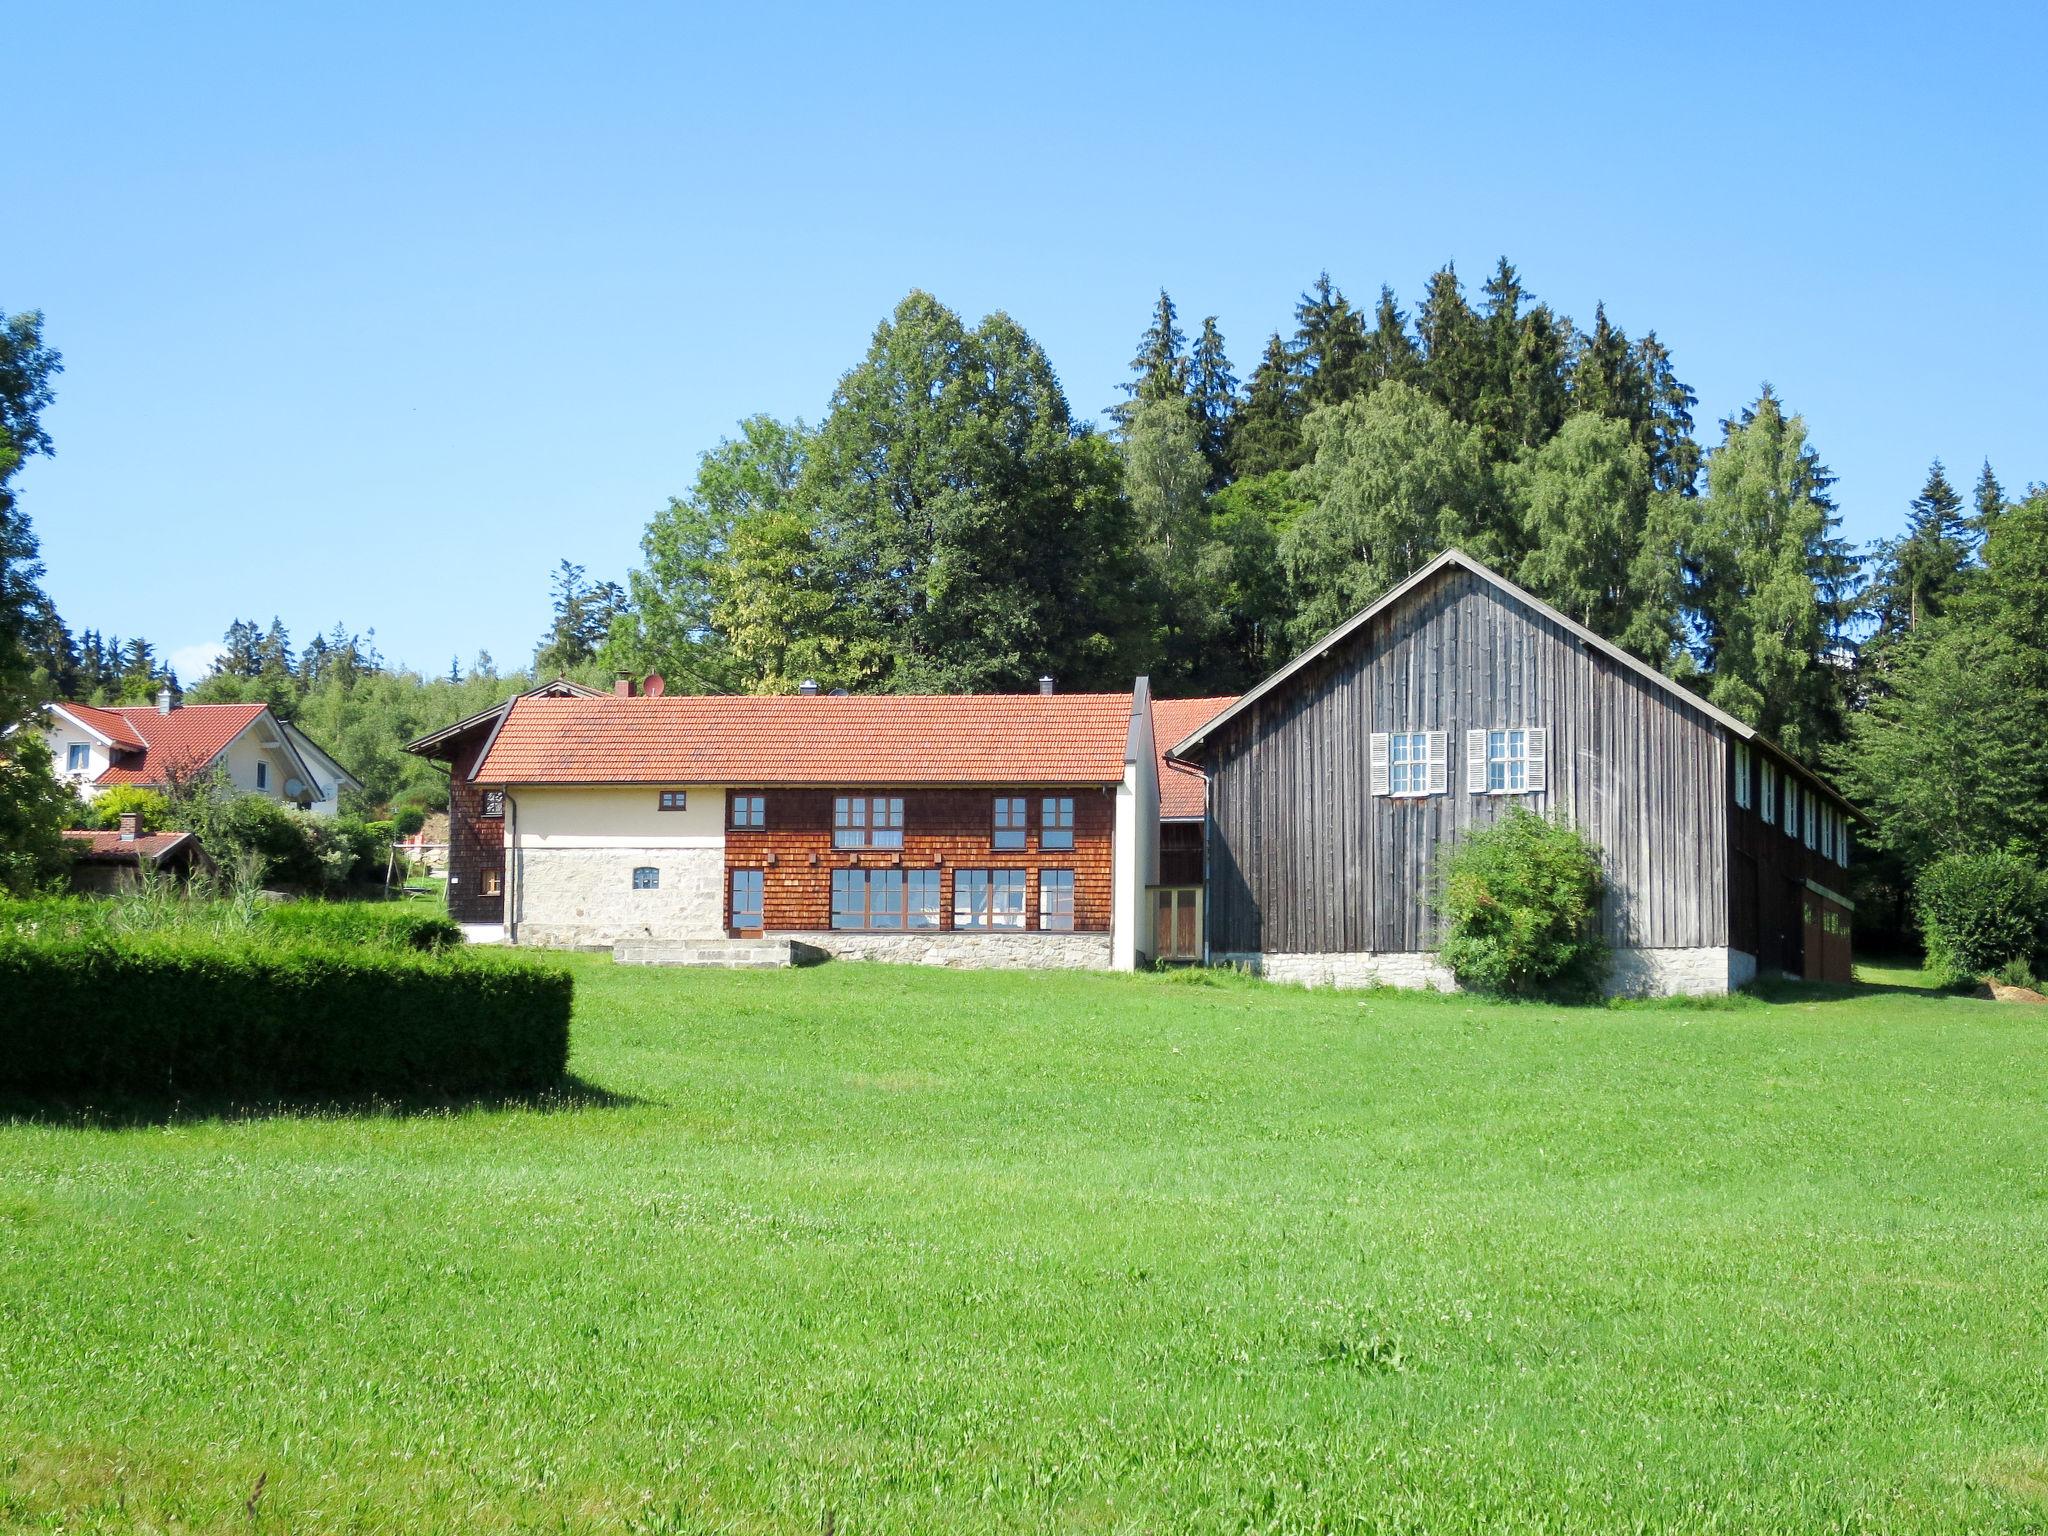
(944, 1252)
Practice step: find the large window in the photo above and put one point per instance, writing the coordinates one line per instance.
(867, 821)
(885, 898)
(1408, 763)
(1010, 824)
(746, 898)
(79, 758)
(988, 898)
(1056, 898)
(1056, 822)
(749, 811)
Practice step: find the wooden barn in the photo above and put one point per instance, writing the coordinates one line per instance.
(1336, 785)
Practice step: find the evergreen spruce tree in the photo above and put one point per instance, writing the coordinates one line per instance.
(1453, 346)
(1496, 410)
(1213, 391)
(1161, 368)
(1540, 384)
(1988, 502)
(1266, 436)
(1329, 355)
(1390, 353)
(1665, 430)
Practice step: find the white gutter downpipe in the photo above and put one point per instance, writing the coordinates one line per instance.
(1134, 861)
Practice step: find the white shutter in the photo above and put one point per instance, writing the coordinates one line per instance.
(1842, 843)
(1742, 774)
(1379, 762)
(1807, 823)
(1475, 762)
(1537, 739)
(1439, 762)
(1768, 798)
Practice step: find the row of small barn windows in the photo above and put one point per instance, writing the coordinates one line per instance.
(1408, 764)
(910, 898)
(876, 821)
(1782, 801)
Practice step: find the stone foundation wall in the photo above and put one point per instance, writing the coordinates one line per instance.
(574, 898)
(969, 951)
(1636, 972)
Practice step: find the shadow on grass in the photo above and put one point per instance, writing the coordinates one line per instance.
(1779, 990)
(129, 1112)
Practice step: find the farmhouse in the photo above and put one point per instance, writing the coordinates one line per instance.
(149, 746)
(987, 830)
(1337, 783)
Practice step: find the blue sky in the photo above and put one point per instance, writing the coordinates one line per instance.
(374, 313)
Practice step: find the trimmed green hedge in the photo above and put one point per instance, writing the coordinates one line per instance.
(352, 924)
(1980, 913)
(173, 1016)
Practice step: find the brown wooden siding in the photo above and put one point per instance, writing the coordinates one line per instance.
(1180, 853)
(947, 829)
(1304, 859)
(476, 843)
(1773, 912)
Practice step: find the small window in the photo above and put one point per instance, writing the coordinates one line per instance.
(1507, 762)
(79, 758)
(1010, 823)
(1807, 823)
(989, 898)
(1791, 807)
(1827, 831)
(675, 800)
(1408, 763)
(1056, 899)
(1742, 774)
(746, 898)
(262, 775)
(646, 878)
(1842, 843)
(493, 883)
(749, 811)
(1056, 822)
(1768, 799)
(867, 821)
(494, 804)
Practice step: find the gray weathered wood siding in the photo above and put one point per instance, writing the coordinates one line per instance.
(1304, 859)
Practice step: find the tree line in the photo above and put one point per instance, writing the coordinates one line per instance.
(952, 524)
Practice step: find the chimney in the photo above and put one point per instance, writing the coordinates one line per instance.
(131, 826)
(622, 685)
(808, 687)
(1045, 683)
(163, 700)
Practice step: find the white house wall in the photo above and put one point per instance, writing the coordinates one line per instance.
(571, 853)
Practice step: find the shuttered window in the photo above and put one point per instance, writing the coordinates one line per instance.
(1510, 761)
(1791, 808)
(1742, 795)
(1769, 798)
(1410, 764)
(1807, 823)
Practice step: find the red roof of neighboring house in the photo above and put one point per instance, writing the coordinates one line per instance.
(107, 847)
(110, 723)
(185, 741)
(1030, 738)
(1181, 787)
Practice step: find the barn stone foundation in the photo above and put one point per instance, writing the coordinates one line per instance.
(583, 898)
(1704, 972)
(969, 951)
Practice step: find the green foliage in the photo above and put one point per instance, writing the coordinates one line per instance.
(1980, 913)
(276, 1019)
(236, 913)
(1392, 480)
(105, 810)
(277, 844)
(1521, 904)
(368, 924)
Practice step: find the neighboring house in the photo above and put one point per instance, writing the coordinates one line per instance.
(1183, 808)
(105, 863)
(1336, 785)
(150, 745)
(987, 830)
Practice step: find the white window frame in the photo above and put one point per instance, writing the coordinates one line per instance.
(1507, 760)
(1791, 806)
(1810, 801)
(1742, 771)
(1827, 832)
(1767, 798)
(78, 757)
(867, 821)
(1423, 761)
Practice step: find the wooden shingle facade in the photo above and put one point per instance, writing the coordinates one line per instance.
(1337, 786)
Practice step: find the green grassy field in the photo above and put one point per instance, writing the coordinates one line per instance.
(939, 1252)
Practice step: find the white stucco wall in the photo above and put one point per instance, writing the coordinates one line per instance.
(1135, 853)
(59, 738)
(571, 855)
(252, 747)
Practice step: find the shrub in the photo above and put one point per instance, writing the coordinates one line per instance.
(361, 923)
(1980, 912)
(1521, 899)
(169, 1014)
(107, 807)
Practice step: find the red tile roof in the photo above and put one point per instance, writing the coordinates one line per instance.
(107, 847)
(1181, 786)
(185, 741)
(1070, 738)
